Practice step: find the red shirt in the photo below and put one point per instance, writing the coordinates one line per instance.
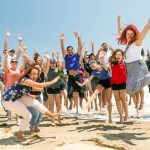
(119, 75)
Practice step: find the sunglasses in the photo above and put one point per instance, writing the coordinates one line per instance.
(14, 62)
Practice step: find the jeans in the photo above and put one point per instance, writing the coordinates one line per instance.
(36, 115)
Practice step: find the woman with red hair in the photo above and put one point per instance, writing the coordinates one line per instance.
(137, 72)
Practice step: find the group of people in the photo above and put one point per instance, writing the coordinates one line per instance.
(38, 85)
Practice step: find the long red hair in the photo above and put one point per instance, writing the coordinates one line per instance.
(122, 39)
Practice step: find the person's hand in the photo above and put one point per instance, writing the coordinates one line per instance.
(110, 48)
(57, 55)
(56, 79)
(5, 53)
(92, 43)
(7, 34)
(62, 36)
(101, 56)
(119, 17)
(19, 37)
(86, 49)
(20, 48)
(101, 49)
(77, 35)
(80, 84)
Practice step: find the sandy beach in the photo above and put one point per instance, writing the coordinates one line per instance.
(84, 131)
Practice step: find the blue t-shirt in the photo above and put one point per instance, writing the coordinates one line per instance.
(72, 62)
(16, 91)
(102, 75)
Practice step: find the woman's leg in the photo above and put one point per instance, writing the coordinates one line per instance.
(109, 105)
(98, 89)
(58, 106)
(141, 99)
(30, 102)
(124, 103)
(51, 100)
(20, 109)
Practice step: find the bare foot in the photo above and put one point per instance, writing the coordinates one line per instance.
(36, 129)
(125, 117)
(141, 106)
(20, 139)
(110, 120)
(121, 119)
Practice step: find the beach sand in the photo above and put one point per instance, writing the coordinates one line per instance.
(83, 132)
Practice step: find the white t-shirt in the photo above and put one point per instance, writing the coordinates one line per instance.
(133, 53)
(107, 54)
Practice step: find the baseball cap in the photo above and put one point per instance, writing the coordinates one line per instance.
(52, 61)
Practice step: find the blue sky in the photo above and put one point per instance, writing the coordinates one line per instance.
(40, 22)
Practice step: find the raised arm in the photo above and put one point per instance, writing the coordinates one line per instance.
(24, 60)
(92, 44)
(120, 29)
(98, 53)
(23, 51)
(112, 50)
(6, 41)
(59, 62)
(47, 66)
(6, 62)
(143, 33)
(62, 38)
(77, 35)
(106, 66)
(85, 55)
(20, 44)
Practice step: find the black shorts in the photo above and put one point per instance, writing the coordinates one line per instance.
(105, 83)
(53, 90)
(118, 86)
(73, 86)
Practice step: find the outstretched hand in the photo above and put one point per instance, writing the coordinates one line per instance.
(62, 36)
(92, 43)
(19, 37)
(80, 84)
(77, 35)
(7, 34)
(86, 49)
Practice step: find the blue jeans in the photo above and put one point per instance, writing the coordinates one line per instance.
(36, 115)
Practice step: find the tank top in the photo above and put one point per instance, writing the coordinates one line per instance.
(133, 53)
(11, 77)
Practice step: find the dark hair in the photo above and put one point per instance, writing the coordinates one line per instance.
(69, 47)
(91, 55)
(113, 59)
(26, 73)
(36, 55)
(103, 44)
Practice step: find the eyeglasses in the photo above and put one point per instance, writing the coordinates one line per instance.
(14, 62)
